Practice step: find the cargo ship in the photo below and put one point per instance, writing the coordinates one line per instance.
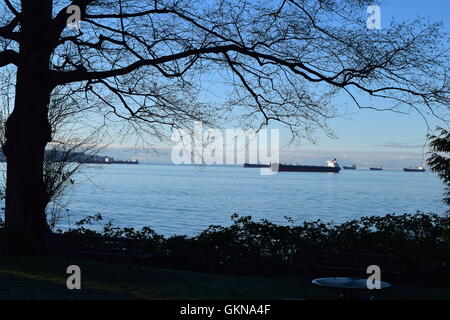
(256, 165)
(376, 168)
(332, 166)
(415, 169)
(107, 160)
(352, 167)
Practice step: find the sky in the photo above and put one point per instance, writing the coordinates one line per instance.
(364, 137)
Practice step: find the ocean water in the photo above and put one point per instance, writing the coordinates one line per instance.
(187, 199)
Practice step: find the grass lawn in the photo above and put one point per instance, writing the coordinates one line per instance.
(45, 278)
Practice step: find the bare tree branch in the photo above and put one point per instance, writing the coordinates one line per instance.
(11, 8)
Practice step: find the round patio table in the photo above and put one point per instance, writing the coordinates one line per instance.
(351, 287)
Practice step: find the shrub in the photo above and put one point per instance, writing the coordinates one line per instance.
(247, 246)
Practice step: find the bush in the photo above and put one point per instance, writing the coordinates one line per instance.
(421, 240)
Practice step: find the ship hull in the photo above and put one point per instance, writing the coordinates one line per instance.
(125, 162)
(92, 162)
(108, 162)
(251, 165)
(376, 169)
(349, 168)
(413, 170)
(297, 168)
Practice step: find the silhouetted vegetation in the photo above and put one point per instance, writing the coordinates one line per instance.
(421, 240)
(439, 160)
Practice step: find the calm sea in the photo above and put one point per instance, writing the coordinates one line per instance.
(187, 199)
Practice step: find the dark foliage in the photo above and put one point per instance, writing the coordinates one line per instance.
(421, 240)
(439, 160)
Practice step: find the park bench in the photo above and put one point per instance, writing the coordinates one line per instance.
(337, 263)
(117, 249)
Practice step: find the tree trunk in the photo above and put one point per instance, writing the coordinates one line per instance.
(28, 131)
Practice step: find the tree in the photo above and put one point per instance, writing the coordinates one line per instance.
(145, 62)
(60, 165)
(439, 161)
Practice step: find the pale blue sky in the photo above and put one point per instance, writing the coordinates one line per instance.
(369, 130)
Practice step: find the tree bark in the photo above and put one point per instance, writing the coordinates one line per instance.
(28, 130)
